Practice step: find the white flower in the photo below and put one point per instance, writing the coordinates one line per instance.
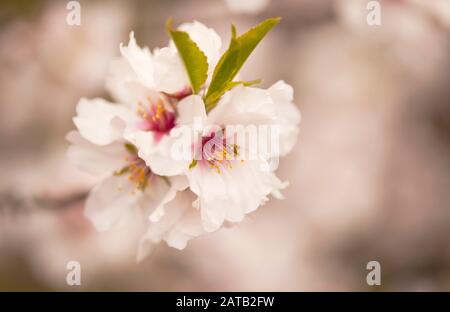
(227, 187)
(151, 85)
(129, 192)
(134, 144)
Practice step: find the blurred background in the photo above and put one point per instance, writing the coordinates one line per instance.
(369, 177)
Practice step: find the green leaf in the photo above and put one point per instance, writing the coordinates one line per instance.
(193, 58)
(214, 98)
(234, 58)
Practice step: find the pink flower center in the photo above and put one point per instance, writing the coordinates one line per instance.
(216, 153)
(156, 118)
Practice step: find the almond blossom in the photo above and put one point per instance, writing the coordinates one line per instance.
(129, 191)
(226, 186)
(151, 84)
(188, 86)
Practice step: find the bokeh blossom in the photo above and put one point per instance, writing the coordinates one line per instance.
(131, 141)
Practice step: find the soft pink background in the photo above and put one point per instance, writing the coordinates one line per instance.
(369, 177)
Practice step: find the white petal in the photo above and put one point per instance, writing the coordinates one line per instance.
(140, 60)
(123, 84)
(288, 115)
(170, 75)
(157, 154)
(283, 96)
(233, 193)
(189, 108)
(180, 223)
(116, 202)
(244, 106)
(154, 193)
(288, 138)
(211, 189)
(143, 140)
(100, 121)
(93, 158)
(163, 164)
(119, 74)
(112, 203)
(177, 183)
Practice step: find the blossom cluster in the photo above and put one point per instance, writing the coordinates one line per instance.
(131, 142)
